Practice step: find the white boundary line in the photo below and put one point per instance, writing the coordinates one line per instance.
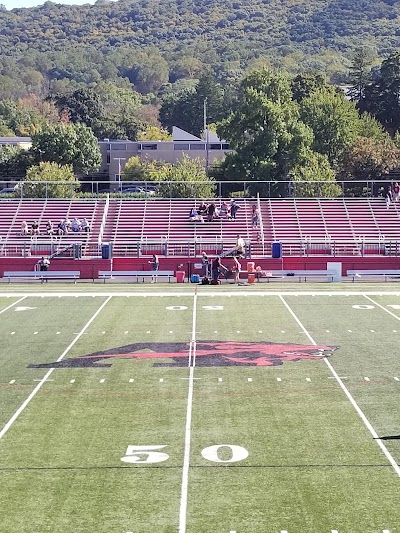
(186, 455)
(40, 384)
(206, 293)
(12, 305)
(367, 423)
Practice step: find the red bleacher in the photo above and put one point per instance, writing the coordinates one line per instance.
(288, 220)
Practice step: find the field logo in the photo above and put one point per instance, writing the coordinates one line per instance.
(208, 353)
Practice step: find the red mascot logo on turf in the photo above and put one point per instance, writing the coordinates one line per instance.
(208, 353)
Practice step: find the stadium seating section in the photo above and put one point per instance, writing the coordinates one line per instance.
(287, 220)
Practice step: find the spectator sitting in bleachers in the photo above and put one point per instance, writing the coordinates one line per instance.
(24, 228)
(76, 225)
(202, 209)
(68, 225)
(85, 226)
(223, 210)
(194, 216)
(35, 228)
(49, 227)
(61, 227)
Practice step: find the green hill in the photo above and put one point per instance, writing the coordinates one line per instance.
(107, 40)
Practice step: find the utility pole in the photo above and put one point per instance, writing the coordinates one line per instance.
(205, 129)
(119, 159)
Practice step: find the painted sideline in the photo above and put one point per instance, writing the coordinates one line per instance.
(360, 413)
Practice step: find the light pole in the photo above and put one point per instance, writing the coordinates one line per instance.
(119, 159)
(206, 134)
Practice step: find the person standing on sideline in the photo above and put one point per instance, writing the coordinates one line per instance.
(155, 263)
(236, 270)
(217, 267)
(206, 262)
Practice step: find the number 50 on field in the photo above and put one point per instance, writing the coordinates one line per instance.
(152, 454)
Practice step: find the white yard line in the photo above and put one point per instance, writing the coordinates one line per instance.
(382, 307)
(367, 423)
(12, 305)
(40, 384)
(188, 427)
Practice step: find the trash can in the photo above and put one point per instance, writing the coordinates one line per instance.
(77, 249)
(180, 276)
(276, 250)
(106, 251)
(251, 275)
(195, 278)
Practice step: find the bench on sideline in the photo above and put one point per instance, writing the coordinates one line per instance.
(138, 274)
(290, 274)
(43, 275)
(377, 273)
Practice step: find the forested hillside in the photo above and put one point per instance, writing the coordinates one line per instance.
(152, 43)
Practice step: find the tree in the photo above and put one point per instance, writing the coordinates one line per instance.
(370, 159)
(63, 177)
(82, 106)
(152, 133)
(265, 131)
(382, 96)
(14, 161)
(314, 168)
(186, 110)
(68, 144)
(186, 178)
(334, 121)
(360, 74)
(303, 85)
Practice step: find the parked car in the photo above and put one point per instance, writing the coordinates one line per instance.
(8, 190)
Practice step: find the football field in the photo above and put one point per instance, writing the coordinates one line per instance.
(190, 409)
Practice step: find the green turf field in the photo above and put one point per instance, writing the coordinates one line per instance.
(162, 409)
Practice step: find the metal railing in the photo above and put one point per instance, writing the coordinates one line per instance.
(222, 189)
(194, 248)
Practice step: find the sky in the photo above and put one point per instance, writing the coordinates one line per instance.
(11, 4)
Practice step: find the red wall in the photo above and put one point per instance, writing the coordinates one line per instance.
(89, 268)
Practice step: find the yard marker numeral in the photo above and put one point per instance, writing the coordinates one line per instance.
(102, 380)
(364, 306)
(176, 308)
(396, 379)
(12, 382)
(213, 307)
(367, 379)
(308, 379)
(134, 454)
(238, 453)
(72, 381)
(131, 380)
(278, 379)
(249, 380)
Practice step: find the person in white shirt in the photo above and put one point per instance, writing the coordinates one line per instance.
(240, 246)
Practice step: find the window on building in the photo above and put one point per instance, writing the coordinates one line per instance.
(118, 146)
(149, 147)
(215, 147)
(181, 146)
(197, 146)
(225, 147)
